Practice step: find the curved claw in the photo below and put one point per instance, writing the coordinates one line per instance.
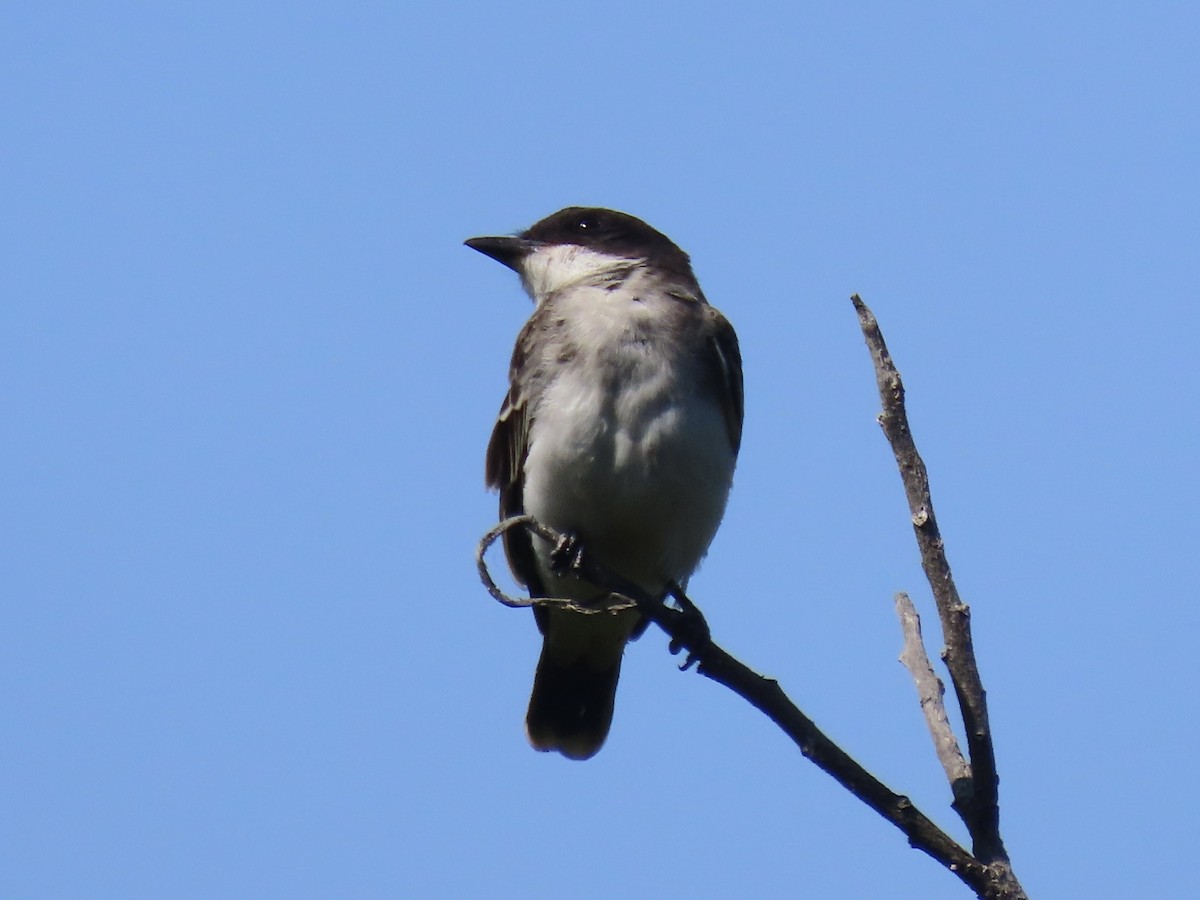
(690, 631)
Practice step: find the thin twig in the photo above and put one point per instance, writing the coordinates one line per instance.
(609, 604)
(931, 692)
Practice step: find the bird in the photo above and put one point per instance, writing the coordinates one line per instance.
(620, 428)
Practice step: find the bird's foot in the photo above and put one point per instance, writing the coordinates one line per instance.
(567, 555)
(689, 629)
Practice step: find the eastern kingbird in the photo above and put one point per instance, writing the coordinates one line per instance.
(621, 428)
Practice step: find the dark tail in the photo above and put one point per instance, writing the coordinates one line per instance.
(571, 707)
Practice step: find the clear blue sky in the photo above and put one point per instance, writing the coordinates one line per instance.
(248, 371)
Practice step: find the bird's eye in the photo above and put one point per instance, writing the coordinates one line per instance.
(583, 224)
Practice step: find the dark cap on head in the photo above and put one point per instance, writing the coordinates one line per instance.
(603, 230)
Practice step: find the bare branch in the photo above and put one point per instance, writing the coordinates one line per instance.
(979, 807)
(688, 630)
(931, 691)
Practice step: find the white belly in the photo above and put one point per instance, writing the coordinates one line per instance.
(640, 474)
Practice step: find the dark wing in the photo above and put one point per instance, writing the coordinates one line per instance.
(725, 368)
(505, 466)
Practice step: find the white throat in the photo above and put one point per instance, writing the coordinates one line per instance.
(553, 267)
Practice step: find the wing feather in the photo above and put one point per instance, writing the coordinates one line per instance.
(505, 463)
(725, 360)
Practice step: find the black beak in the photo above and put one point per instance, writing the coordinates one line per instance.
(507, 250)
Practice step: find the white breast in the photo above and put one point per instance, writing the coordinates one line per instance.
(626, 450)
